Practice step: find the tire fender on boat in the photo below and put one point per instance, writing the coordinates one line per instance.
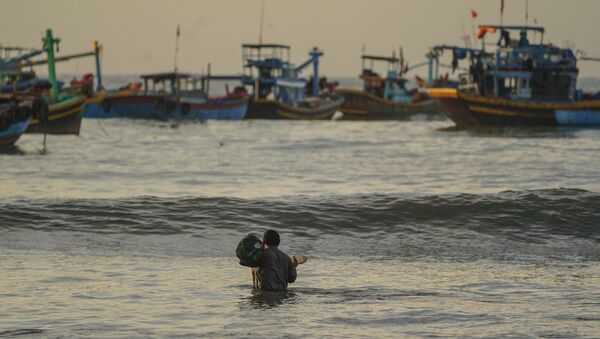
(185, 109)
(40, 110)
(170, 106)
(106, 106)
(160, 104)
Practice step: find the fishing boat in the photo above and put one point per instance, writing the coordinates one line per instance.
(173, 96)
(176, 96)
(278, 91)
(384, 98)
(519, 84)
(14, 119)
(62, 108)
(60, 116)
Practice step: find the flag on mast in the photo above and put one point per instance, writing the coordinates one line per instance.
(178, 31)
(501, 12)
(473, 38)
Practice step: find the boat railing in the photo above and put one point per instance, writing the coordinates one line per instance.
(531, 59)
(265, 52)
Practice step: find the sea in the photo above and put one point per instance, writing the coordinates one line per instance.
(413, 229)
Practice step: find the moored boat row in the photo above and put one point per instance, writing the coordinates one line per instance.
(519, 83)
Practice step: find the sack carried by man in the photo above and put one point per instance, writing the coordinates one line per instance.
(250, 251)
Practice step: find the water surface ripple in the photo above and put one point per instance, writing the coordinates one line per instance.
(412, 230)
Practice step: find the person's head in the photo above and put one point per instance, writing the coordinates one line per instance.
(271, 238)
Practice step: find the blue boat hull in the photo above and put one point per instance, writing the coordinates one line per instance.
(98, 111)
(468, 109)
(9, 136)
(577, 118)
(153, 107)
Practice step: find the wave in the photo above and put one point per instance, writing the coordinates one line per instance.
(342, 225)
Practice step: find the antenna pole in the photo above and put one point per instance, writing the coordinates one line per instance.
(176, 48)
(262, 22)
(501, 12)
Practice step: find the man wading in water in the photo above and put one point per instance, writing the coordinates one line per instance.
(275, 269)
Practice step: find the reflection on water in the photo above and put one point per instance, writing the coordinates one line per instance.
(16, 150)
(267, 300)
(517, 132)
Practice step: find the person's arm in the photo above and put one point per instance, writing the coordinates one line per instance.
(291, 272)
(295, 261)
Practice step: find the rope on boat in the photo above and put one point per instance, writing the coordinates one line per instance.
(101, 128)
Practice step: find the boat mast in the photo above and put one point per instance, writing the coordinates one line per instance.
(315, 54)
(97, 50)
(49, 42)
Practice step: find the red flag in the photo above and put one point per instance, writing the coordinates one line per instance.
(501, 7)
(474, 14)
(483, 30)
(178, 31)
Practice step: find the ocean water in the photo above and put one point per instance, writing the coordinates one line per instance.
(411, 229)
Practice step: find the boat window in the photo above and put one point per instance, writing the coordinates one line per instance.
(508, 87)
(555, 58)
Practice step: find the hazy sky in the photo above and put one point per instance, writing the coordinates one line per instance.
(139, 35)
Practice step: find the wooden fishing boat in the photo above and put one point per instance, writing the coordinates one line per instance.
(174, 96)
(362, 105)
(521, 84)
(470, 109)
(384, 98)
(62, 108)
(60, 116)
(324, 109)
(278, 92)
(170, 96)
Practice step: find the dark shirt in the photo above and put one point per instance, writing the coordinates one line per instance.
(275, 271)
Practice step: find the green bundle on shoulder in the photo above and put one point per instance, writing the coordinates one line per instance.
(250, 251)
